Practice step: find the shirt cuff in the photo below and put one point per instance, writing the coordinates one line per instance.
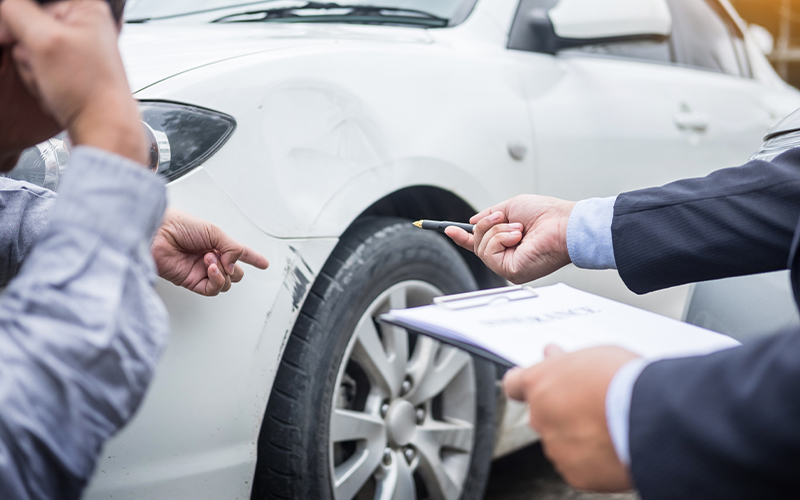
(618, 407)
(111, 195)
(589, 234)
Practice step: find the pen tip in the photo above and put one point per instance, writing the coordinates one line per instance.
(418, 224)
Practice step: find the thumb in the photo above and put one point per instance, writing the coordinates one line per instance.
(460, 237)
(514, 384)
(553, 351)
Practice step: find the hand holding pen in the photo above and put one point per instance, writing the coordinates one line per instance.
(521, 239)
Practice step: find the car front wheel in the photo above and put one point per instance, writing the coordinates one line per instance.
(361, 410)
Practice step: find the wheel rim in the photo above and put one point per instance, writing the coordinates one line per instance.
(378, 450)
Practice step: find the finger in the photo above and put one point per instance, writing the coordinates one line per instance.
(212, 258)
(501, 241)
(493, 232)
(553, 351)
(238, 274)
(227, 285)
(23, 20)
(481, 215)
(514, 384)
(215, 281)
(483, 226)
(460, 237)
(232, 251)
(255, 259)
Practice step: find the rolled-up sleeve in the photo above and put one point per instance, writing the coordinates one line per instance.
(81, 328)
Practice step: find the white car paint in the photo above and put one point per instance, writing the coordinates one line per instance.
(332, 118)
(588, 19)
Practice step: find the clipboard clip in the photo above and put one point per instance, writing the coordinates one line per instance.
(483, 298)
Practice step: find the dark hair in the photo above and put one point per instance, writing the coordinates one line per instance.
(117, 6)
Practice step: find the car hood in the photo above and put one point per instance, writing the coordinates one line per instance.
(155, 52)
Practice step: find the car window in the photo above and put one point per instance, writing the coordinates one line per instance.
(643, 50)
(706, 37)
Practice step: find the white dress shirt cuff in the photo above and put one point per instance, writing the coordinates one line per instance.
(589, 234)
(618, 407)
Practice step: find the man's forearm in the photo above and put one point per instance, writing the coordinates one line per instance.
(81, 328)
(733, 222)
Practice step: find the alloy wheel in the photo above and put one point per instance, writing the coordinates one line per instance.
(404, 409)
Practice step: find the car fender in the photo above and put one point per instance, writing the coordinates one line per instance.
(324, 132)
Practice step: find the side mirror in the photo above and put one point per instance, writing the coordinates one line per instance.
(762, 38)
(576, 23)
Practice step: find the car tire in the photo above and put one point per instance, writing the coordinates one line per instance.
(321, 378)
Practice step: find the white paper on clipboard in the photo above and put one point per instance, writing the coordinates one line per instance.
(515, 324)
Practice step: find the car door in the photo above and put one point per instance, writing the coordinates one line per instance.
(632, 114)
(604, 115)
(724, 114)
(619, 116)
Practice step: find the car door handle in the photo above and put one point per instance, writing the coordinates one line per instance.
(691, 121)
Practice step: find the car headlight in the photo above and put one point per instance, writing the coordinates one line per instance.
(776, 146)
(180, 138)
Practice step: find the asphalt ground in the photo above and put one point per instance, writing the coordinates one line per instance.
(527, 475)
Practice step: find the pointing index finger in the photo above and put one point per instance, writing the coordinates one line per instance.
(243, 254)
(255, 259)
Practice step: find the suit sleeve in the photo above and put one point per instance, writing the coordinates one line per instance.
(723, 426)
(734, 222)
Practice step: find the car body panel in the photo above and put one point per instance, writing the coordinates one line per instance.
(746, 307)
(324, 113)
(183, 443)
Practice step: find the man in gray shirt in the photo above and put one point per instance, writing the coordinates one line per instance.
(81, 328)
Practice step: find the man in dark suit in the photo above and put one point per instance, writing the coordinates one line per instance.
(725, 425)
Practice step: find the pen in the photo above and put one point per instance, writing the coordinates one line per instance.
(435, 225)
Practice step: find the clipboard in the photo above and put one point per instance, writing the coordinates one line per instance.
(510, 326)
(470, 300)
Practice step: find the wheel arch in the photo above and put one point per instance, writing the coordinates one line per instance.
(432, 202)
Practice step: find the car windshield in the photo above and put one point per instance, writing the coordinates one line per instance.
(137, 10)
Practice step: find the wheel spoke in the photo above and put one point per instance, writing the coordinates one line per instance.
(398, 298)
(455, 436)
(396, 338)
(371, 355)
(398, 484)
(351, 476)
(440, 485)
(439, 376)
(349, 425)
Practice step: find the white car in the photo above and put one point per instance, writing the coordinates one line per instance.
(751, 307)
(314, 133)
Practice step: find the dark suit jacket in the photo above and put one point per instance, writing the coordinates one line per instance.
(724, 426)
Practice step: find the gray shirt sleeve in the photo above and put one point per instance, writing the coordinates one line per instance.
(25, 210)
(81, 328)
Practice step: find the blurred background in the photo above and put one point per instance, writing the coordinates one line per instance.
(782, 19)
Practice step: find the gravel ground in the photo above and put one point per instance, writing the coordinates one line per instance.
(527, 475)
